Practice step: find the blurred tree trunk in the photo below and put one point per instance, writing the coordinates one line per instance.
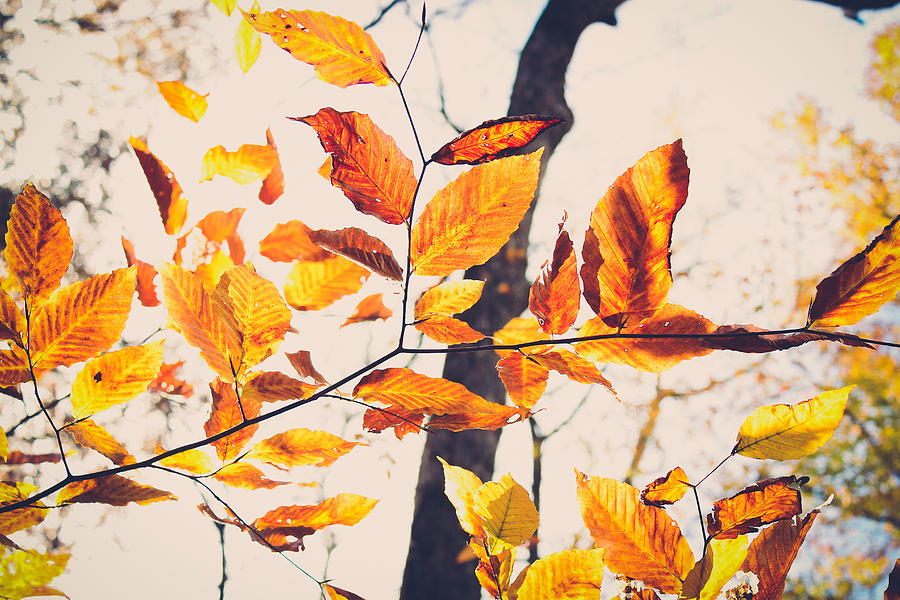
(432, 572)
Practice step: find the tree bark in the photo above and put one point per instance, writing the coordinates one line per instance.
(432, 571)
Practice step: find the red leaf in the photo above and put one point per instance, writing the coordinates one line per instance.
(555, 294)
(168, 193)
(370, 308)
(493, 139)
(356, 244)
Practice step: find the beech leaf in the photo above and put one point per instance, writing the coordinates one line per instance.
(290, 241)
(246, 476)
(449, 298)
(227, 412)
(114, 378)
(273, 185)
(555, 295)
(668, 489)
(245, 165)
(566, 575)
(772, 553)
(316, 285)
(166, 190)
(762, 503)
(183, 100)
(298, 447)
(114, 490)
(274, 386)
(493, 139)
(193, 461)
(22, 518)
(146, 273)
(356, 244)
(247, 43)
(370, 308)
(460, 486)
(506, 510)
(447, 330)
(524, 378)
(723, 557)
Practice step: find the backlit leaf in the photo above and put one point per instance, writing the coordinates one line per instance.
(226, 6)
(26, 573)
(401, 421)
(643, 541)
(356, 244)
(555, 294)
(315, 285)
(114, 378)
(289, 242)
(298, 447)
(274, 386)
(146, 273)
(4, 446)
(168, 193)
(572, 366)
(447, 330)
(651, 355)
(167, 383)
(753, 339)
(13, 366)
(772, 553)
(244, 475)
(22, 518)
(183, 100)
(493, 139)
(38, 245)
(470, 219)
(862, 284)
(449, 298)
(340, 50)
(460, 486)
(81, 320)
(762, 503)
(787, 432)
(193, 461)
(247, 43)
(567, 575)
(517, 331)
(524, 378)
(626, 270)
(220, 226)
(335, 593)
(114, 490)
(370, 308)
(90, 435)
(718, 565)
(302, 363)
(366, 164)
(506, 510)
(210, 272)
(668, 489)
(27, 458)
(245, 165)
(226, 413)
(12, 321)
(191, 309)
(273, 185)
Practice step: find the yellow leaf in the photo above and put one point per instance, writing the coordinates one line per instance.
(247, 43)
(297, 447)
(245, 165)
(226, 6)
(194, 461)
(787, 432)
(210, 272)
(114, 490)
(81, 320)
(243, 475)
(668, 489)
(315, 285)
(340, 50)
(183, 100)
(22, 518)
(115, 378)
(507, 512)
(4, 446)
(470, 219)
(722, 559)
(38, 245)
(449, 298)
(566, 575)
(26, 573)
(524, 378)
(519, 330)
(447, 330)
(460, 486)
(90, 435)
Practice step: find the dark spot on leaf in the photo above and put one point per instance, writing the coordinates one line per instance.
(98, 377)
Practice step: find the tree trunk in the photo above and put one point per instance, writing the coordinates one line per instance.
(432, 571)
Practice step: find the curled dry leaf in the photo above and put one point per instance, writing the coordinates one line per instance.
(493, 139)
(762, 503)
(245, 165)
(302, 363)
(166, 190)
(668, 489)
(555, 295)
(183, 100)
(773, 551)
(753, 339)
(370, 308)
(356, 244)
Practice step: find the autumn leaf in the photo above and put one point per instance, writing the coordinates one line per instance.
(194, 461)
(38, 245)
(772, 553)
(302, 363)
(366, 164)
(566, 575)
(651, 355)
(226, 6)
(370, 308)
(340, 50)
(356, 244)
(17, 457)
(183, 100)
(274, 386)
(506, 510)
(470, 219)
(315, 285)
(719, 563)
(626, 271)
(289, 242)
(81, 320)
(114, 490)
(555, 295)
(572, 366)
(168, 193)
(273, 185)
(493, 139)
(298, 447)
(247, 43)
(860, 285)
(89, 434)
(245, 165)
(449, 298)
(167, 383)
(246, 476)
(643, 542)
(460, 486)
(4, 447)
(145, 275)
(376, 420)
(762, 503)
(335, 593)
(22, 518)
(115, 378)
(447, 330)
(518, 330)
(12, 321)
(26, 573)
(13, 366)
(524, 378)
(220, 226)
(788, 432)
(210, 272)
(668, 489)
(228, 411)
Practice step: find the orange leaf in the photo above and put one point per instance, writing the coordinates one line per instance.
(38, 245)
(356, 244)
(449, 298)
(402, 421)
(861, 285)
(166, 382)
(525, 379)
(570, 575)
(668, 489)
(335, 593)
(289, 242)
(340, 50)
(302, 363)
(762, 503)
(243, 475)
(145, 275)
(273, 185)
(626, 247)
(23, 518)
(194, 460)
(209, 273)
(168, 193)
(115, 378)
(572, 366)
(226, 413)
(12, 321)
(274, 386)
(366, 164)
(22, 458)
(643, 542)
(247, 43)
(13, 366)
(315, 285)
(651, 355)
(114, 490)
(493, 139)
(219, 226)
(772, 553)
(81, 320)
(447, 330)
(370, 308)
(245, 165)
(470, 219)
(555, 294)
(517, 331)
(90, 435)
(191, 310)
(297, 447)
(183, 100)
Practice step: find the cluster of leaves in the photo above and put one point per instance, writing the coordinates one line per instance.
(237, 319)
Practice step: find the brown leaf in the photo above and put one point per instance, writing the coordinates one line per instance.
(183, 100)
(356, 244)
(298, 447)
(289, 242)
(626, 248)
(246, 476)
(493, 139)
(273, 185)
(524, 378)
(367, 164)
(447, 330)
(336, 593)
(145, 276)
(90, 435)
(168, 193)
(555, 294)
(762, 503)
(752, 339)
(24, 458)
(226, 413)
(370, 308)
(316, 285)
(773, 551)
(13, 366)
(668, 489)
(302, 363)
(114, 490)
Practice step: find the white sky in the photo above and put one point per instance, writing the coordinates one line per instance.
(711, 71)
